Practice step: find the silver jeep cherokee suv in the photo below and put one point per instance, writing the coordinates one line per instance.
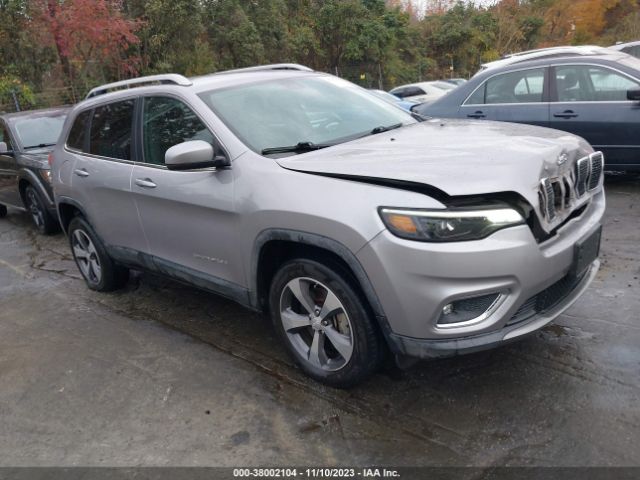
(360, 228)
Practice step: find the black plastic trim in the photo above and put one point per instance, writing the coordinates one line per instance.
(186, 275)
(330, 245)
(70, 201)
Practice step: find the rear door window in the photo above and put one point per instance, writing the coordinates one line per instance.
(111, 130)
(78, 133)
(591, 83)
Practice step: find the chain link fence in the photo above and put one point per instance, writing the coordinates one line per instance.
(49, 97)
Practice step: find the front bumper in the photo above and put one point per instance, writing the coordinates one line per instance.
(420, 348)
(415, 280)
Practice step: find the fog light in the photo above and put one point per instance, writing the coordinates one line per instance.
(468, 309)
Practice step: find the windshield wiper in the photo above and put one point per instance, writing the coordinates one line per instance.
(42, 145)
(299, 147)
(382, 129)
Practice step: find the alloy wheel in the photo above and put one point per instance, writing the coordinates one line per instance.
(316, 323)
(34, 208)
(86, 256)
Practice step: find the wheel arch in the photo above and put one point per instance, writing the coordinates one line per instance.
(273, 247)
(28, 178)
(67, 210)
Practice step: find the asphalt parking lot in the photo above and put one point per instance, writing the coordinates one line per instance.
(163, 374)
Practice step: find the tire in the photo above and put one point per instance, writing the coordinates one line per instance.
(98, 269)
(42, 219)
(337, 342)
(3, 211)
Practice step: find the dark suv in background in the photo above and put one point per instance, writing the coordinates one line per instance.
(595, 96)
(26, 139)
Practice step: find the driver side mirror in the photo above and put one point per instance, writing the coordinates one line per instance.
(4, 149)
(194, 155)
(633, 94)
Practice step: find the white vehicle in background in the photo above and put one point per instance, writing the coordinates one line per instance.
(632, 48)
(423, 91)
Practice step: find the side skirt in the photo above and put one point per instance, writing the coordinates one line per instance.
(135, 259)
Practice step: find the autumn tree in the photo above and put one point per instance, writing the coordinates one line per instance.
(76, 44)
(92, 39)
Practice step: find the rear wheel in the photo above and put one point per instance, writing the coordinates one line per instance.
(3, 211)
(324, 323)
(43, 220)
(98, 269)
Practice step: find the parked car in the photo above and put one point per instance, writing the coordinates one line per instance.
(423, 91)
(364, 232)
(455, 81)
(594, 96)
(26, 138)
(392, 99)
(631, 48)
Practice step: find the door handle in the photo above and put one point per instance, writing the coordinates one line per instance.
(477, 114)
(81, 172)
(566, 114)
(145, 183)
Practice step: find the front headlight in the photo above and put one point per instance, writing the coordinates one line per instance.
(448, 225)
(46, 175)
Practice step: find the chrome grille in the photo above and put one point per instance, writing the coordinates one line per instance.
(558, 195)
(597, 164)
(582, 174)
(549, 199)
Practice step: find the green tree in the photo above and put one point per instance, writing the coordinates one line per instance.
(13, 90)
(174, 37)
(233, 35)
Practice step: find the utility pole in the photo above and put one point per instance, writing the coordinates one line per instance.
(16, 102)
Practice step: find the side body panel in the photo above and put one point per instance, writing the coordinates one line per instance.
(189, 219)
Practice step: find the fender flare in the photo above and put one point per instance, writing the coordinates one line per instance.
(36, 182)
(70, 201)
(325, 243)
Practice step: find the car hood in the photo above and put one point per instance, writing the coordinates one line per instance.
(457, 157)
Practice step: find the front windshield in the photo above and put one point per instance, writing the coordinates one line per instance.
(39, 131)
(320, 110)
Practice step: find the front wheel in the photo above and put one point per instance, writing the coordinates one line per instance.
(324, 324)
(3, 211)
(98, 269)
(43, 220)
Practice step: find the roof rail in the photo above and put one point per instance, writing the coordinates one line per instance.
(274, 66)
(577, 49)
(169, 78)
(542, 53)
